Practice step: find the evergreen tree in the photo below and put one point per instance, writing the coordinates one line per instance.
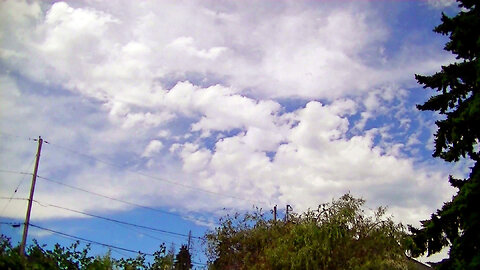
(457, 223)
(183, 260)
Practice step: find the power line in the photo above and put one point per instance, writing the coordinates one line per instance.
(115, 220)
(87, 240)
(14, 224)
(14, 172)
(144, 174)
(16, 189)
(108, 197)
(17, 199)
(14, 136)
(143, 233)
(118, 222)
(108, 219)
(157, 178)
(116, 199)
(121, 253)
(69, 236)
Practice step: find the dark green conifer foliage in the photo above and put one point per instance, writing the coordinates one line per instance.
(183, 260)
(457, 223)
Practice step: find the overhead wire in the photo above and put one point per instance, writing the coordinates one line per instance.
(69, 236)
(11, 223)
(115, 220)
(15, 172)
(115, 199)
(157, 178)
(147, 175)
(109, 197)
(123, 201)
(121, 253)
(118, 200)
(18, 199)
(16, 189)
(119, 222)
(141, 173)
(88, 240)
(14, 136)
(142, 233)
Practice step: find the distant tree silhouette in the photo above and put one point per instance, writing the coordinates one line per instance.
(183, 260)
(457, 223)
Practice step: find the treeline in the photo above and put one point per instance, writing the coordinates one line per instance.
(336, 235)
(72, 258)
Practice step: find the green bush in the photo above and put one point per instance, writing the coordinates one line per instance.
(338, 235)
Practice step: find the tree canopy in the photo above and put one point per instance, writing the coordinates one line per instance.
(457, 223)
(338, 235)
(73, 257)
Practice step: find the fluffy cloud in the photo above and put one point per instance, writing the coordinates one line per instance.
(298, 52)
(266, 103)
(152, 148)
(316, 160)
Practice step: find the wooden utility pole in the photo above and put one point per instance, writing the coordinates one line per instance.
(275, 213)
(30, 199)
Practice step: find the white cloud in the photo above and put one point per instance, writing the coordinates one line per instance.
(316, 160)
(194, 159)
(212, 83)
(441, 3)
(152, 148)
(110, 55)
(220, 108)
(186, 44)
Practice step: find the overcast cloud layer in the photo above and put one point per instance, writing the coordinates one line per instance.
(264, 102)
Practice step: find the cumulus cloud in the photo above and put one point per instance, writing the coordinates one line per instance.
(214, 83)
(152, 148)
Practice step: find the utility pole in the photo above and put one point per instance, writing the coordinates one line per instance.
(286, 212)
(30, 200)
(275, 213)
(189, 239)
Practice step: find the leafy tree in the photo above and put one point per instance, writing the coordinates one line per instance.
(457, 223)
(72, 258)
(163, 261)
(338, 235)
(183, 260)
(58, 258)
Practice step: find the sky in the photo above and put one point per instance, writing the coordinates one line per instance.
(184, 111)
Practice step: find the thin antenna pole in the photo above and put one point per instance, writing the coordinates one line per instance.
(287, 210)
(189, 239)
(30, 200)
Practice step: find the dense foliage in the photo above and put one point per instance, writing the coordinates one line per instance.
(71, 258)
(183, 260)
(457, 223)
(338, 235)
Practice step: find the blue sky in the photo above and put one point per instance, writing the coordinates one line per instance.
(202, 108)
